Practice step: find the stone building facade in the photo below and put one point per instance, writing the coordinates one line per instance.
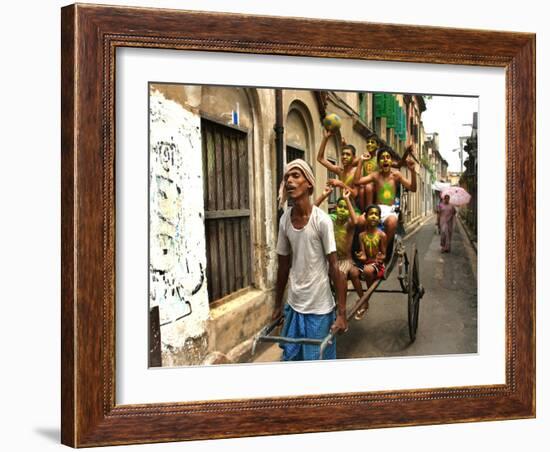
(435, 164)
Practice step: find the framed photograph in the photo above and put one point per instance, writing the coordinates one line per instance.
(199, 149)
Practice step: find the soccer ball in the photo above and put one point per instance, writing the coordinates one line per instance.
(332, 122)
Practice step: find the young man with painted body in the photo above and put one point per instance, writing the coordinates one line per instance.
(306, 259)
(372, 242)
(344, 221)
(370, 165)
(346, 171)
(386, 181)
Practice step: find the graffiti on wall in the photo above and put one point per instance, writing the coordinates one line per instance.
(177, 256)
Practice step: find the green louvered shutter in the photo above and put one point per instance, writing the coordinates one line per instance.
(401, 123)
(379, 105)
(404, 126)
(399, 118)
(391, 108)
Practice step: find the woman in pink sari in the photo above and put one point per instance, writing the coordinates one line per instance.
(446, 221)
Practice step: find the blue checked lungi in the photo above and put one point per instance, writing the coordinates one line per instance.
(311, 326)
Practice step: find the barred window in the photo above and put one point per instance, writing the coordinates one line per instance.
(227, 209)
(293, 153)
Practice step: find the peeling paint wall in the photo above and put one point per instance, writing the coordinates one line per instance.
(177, 260)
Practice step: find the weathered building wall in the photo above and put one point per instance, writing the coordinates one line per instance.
(220, 102)
(177, 281)
(218, 333)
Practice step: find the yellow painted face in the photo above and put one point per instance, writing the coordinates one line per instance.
(347, 156)
(342, 212)
(373, 217)
(385, 161)
(372, 146)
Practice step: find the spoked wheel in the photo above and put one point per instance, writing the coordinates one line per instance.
(395, 245)
(403, 275)
(416, 292)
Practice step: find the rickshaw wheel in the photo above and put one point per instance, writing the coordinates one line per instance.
(390, 263)
(404, 276)
(416, 291)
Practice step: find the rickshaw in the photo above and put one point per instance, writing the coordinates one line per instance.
(408, 275)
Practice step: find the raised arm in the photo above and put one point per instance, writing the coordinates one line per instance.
(339, 283)
(321, 154)
(283, 270)
(326, 192)
(352, 214)
(403, 160)
(409, 184)
(342, 185)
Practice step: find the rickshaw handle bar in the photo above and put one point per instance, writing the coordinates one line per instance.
(291, 340)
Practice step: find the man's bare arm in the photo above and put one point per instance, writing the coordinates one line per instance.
(342, 185)
(283, 270)
(352, 214)
(326, 192)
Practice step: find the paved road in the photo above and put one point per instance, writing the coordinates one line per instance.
(448, 311)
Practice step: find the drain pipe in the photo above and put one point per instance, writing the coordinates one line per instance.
(279, 143)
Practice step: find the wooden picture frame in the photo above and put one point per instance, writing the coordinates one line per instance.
(90, 37)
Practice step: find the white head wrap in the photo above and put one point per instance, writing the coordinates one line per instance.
(308, 174)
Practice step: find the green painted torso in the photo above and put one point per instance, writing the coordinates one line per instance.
(341, 238)
(370, 166)
(386, 194)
